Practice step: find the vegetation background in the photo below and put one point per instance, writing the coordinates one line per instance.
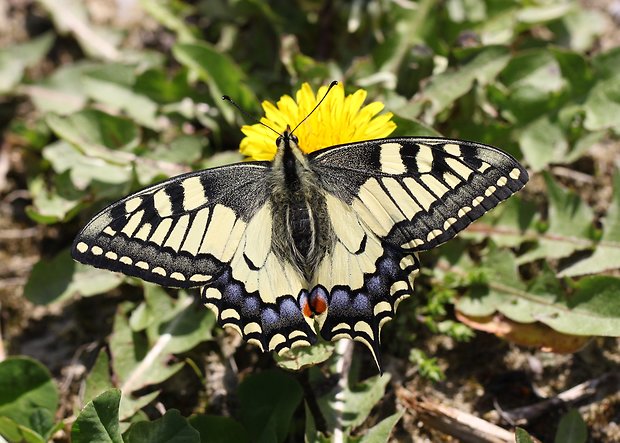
(100, 98)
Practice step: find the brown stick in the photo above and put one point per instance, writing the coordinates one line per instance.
(462, 425)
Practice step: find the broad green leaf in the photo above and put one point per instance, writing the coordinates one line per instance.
(91, 129)
(61, 277)
(603, 105)
(584, 26)
(545, 12)
(98, 421)
(16, 58)
(220, 72)
(84, 170)
(171, 428)
(131, 406)
(304, 356)
(447, 87)
(117, 96)
(61, 92)
(543, 142)
(216, 429)
(592, 308)
(162, 88)
(28, 395)
(570, 225)
(191, 325)
(136, 362)
(380, 433)
(14, 432)
(606, 255)
(572, 428)
(157, 306)
(56, 202)
(412, 128)
(268, 421)
(98, 379)
(358, 401)
(506, 224)
(607, 64)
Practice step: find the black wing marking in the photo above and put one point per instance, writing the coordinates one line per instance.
(180, 232)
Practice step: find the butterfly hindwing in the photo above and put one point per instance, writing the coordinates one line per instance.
(177, 233)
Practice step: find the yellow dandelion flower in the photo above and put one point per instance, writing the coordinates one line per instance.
(339, 119)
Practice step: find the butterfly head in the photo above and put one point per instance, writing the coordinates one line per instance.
(287, 135)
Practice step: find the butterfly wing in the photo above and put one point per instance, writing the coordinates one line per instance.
(396, 197)
(213, 229)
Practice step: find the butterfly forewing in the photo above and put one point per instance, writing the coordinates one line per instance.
(416, 193)
(180, 232)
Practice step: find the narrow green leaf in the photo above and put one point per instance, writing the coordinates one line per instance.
(380, 433)
(268, 421)
(171, 428)
(98, 421)
(572, 428)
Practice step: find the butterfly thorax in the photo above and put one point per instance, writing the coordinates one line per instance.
(301, 231)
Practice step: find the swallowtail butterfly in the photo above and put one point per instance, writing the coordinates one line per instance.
(325, 241)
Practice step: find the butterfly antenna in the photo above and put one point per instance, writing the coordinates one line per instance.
(247, 114)
(331, 85)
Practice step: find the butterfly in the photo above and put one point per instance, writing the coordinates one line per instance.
(325, 242)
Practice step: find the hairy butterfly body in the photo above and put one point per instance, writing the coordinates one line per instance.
(325, 241)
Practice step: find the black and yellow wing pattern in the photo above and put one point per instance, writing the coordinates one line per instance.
(385, 201)
(389, 199)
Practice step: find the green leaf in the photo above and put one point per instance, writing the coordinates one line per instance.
(358, 402)
(606, 254)
(521, 436)
(602, 106)
(28, 395)
(304, 356)
(58, 202)
(98, 421)
(14, 59)
(593, 308)
(98, 379)
(61, 92)
(268, 421)
(584, 26)
(83, 170)
(121, 97)
(412, 128)
(221, 74)
(216, 429)
(91, 129)
(572, 428)
(136, 362)
(380, 433)
(543, 142)
(444, 89)
(60, 278)
(570, 225)
(171, 428)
